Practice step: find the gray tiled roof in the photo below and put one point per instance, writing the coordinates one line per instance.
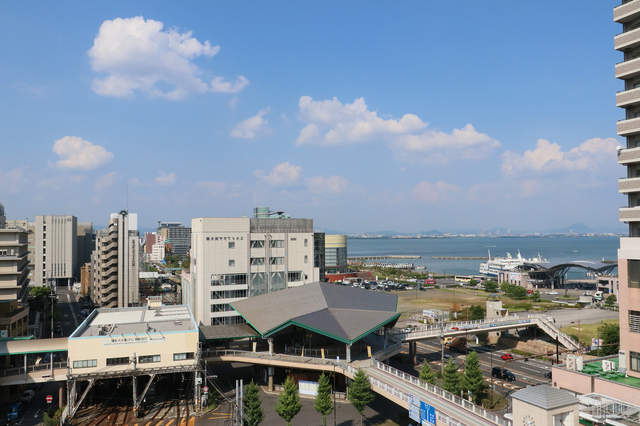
(343, 313)
(546, 397)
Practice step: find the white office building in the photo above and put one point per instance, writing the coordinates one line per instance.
(236, 258)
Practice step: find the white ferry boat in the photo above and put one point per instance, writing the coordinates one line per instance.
(494, 266)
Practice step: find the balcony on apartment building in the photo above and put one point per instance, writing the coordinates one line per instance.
(628, 69)
(627, 156)
(630, 214)
(626, 98)
(627, 40)
(629, 127)
(626, 11)
(627, 185)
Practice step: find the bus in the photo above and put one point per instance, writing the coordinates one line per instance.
(598, 296)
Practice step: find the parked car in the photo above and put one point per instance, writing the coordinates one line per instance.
(27, 396)
(504, 374)
(506, 356)
(547, 374)
(15, 410)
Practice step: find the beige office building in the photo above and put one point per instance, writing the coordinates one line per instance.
(628, 70)
(115, 263)
(236, 258)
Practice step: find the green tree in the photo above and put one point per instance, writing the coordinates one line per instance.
(610, 300)
(518, 292)
(288, 405)
(426, 375)
(472, 282)
(476, 312)
(535, 296)
(473, 377)
(323, 403)
(490, 286)
(253, 411)
(506, 287)
(610, 336)
(360, 394)
(450, 378)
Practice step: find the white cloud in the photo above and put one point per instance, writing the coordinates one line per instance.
(434, 192)
(165, 179)
(76, 153)
(106, 181)
(136, 54)
(12, 180)
(464, 143)
(252, 126)
(349, 123)
(330, 122)
(282, 174)
(332, 184)
(213, 187)
(549, 157)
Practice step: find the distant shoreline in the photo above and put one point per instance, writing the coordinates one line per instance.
(437, 237)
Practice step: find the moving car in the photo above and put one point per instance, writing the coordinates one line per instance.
(27, 396)
(15, 410)
(552, 292)
(506, 356)
(448, 357)
(504, 375)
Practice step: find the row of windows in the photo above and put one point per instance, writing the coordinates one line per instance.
(228, 279)
(227, 320)
(224, 307)
(143, 359)
(273, 243)
(228, 294)
(635, 360)
(634, 273)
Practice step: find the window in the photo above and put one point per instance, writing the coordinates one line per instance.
(227, 320)
(306, 259)
(221, 308)
(257, 244)
(305, 242)
(85, 363)
(635, 361)
(232, 244)
(118, 361)
(228, 279)
(293, 239)
(232, 262)
(228, 294)
(276, 243)
(257, 261)
(294, 276)
(144, 359)
(183, 356)
(634, 321)
(276, 261)
(633, 267)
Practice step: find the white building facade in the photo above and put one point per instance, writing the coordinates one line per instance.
(236, 258)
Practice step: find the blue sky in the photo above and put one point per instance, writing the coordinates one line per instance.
(363, 116)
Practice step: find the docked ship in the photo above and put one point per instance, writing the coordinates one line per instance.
(494, 266)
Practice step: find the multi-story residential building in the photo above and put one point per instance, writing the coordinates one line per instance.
(336, 254)
(175, 234)
(149, 241)
(114, 263)
(236, 258)
(14, 279)
(158, 250)
(58, 247)
(628, 42)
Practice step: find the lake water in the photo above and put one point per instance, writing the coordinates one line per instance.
(555, 249)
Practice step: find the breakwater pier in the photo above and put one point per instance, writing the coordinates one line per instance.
(383, 257)
(461, 257)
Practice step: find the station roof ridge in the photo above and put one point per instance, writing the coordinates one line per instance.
(342, 313)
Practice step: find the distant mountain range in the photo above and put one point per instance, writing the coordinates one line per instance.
(576, 228)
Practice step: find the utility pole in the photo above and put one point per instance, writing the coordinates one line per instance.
(135, 390)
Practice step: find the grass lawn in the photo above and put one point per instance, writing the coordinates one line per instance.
(587, 331)
(412, 302)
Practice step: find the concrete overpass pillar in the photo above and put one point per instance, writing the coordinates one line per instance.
(386, 337)
(348, 353)
(62, 393)
(270, 340)
(25, 366)
(270, 383)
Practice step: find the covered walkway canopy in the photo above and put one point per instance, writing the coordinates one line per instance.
(22, 346)
(557, 273)
(342, 313)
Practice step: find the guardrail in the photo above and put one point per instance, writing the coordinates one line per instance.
(275, 357)
(45, 369)
(461, 325)
(441, 393)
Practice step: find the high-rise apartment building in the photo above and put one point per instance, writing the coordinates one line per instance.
(115, 261)
(236, 258)
(628, 42)
(175, 234)
(58, 246)
(14, 279)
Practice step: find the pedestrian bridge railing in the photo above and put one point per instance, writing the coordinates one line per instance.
(462, 403)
